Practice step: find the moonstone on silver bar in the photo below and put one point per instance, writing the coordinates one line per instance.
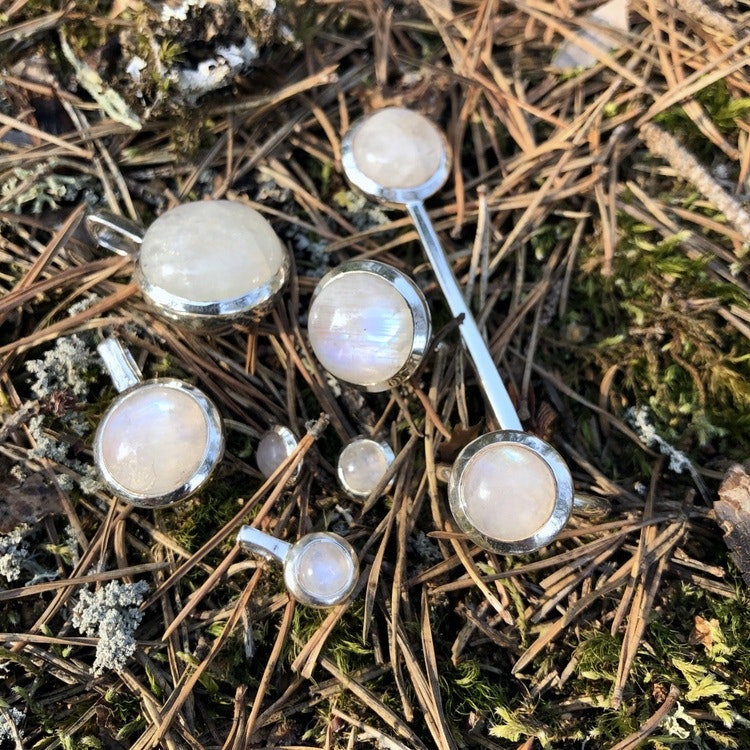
(398, 148)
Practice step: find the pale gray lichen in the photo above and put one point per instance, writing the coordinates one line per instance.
(8, 732)
(36, 189)
(63, 368)
(641, 421)
(111, 614)
(14, 552)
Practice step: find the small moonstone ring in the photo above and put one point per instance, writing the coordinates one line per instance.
(362, 465)
(206, 264)
(275, 446)
(160, 440)
(320, 570)
(369, 324)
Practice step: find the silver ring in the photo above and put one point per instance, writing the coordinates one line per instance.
(320, 570)
(369, 324)
(205, 265)
(160, 440)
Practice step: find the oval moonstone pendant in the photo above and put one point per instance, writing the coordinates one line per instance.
(211, 258)
(369, 324)
(160, 440)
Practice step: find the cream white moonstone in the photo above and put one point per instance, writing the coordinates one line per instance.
(398, 148)
(361, 328)
(362, 465)
(324, 569)
(271, 453)
(210, 251)
(509, 492)
(153, 440)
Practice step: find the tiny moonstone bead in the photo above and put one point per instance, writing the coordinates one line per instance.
(324, 569)
(362, 465)
(398, 148)
(154, 440)
(509, 492)
(361, 329)
(272, 452)
(210, 251)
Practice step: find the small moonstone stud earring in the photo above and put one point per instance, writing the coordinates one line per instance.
(369, 324)
(320, 570)
(509, 491)
(205, 264)
(160, 440)
(276, 445)
(362, 465)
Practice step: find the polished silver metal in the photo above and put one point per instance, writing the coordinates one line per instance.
(412, 199)
(464, 509)
(279, 433)
(306, 575)
(138, 394)
(377, 449)
(498, 399)
(412, 296)
(124, 237)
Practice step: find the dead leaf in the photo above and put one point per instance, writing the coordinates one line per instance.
(27, 502)
(733, 514)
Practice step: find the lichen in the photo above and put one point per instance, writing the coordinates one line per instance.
(111, 614)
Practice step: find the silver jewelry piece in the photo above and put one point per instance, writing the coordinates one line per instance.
(160, 440)
(510, 492)
(369, 324)
(320, 570)
(205, 264)
(503, 483)
(275, 446)
(362, 465)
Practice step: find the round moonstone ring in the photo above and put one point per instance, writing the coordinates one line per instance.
(160, 440)
(320, 570)
(510, 492)
(369, 324)
(205, 264)
(362, 465)
(274, 448)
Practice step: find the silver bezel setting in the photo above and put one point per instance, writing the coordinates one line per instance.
(395, 196)
(291, 573)
(384, 449)
(214, 314)
(212, 455)
(563, 504)
(415, 301)
(290, 444)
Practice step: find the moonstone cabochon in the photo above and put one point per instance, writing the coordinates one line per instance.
(321, 569)
(361, 328)
(510, 492)
(158, 442)
(210, 252)
(362, 465)
(398, 148)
